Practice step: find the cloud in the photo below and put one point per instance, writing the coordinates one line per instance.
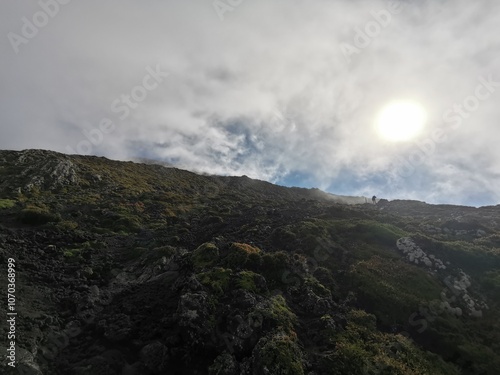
(268, 92)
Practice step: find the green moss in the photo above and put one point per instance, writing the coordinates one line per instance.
(325, 277)
(239, 254)
(73, 255)
(205, 255)
(216, 279)
(7, 203)
(277, 312)
(318, 288)
(361, 349)
(278, 355)
(246, 280)
(361, 318)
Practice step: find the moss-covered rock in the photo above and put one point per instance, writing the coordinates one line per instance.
(362, 349)
(278, 354)
(240, 254)
(217, 279)
(277, 313)
(205, 255)
(250, 281)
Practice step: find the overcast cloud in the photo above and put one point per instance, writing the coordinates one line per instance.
(269, 91)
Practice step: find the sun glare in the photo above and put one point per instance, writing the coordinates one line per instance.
(400, 121)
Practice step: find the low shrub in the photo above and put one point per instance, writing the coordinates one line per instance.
(240, 254)
(205, 255)
(278, 354)
(7, 203)
(68, 225)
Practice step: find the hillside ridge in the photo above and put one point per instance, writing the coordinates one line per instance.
(128, 268)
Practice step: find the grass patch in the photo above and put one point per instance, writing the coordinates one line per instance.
(393, 290)
(7, 203)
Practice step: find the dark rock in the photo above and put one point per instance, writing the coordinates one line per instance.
(155, 357)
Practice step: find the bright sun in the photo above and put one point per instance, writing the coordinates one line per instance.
(401, 121)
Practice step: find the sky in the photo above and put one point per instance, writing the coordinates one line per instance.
(287, 91)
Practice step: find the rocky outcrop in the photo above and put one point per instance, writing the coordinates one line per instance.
(460, 293)
(460, 300)
(38, 169)
(414, 254)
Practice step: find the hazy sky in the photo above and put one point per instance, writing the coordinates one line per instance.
(281, 90)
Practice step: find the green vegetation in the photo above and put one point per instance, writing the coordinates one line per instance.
(217, 279)
(475, 258)
(72, 255)
(361, 349)
(491, 281)
(205, 255)
(278, 314)
(378, 233)
(68, 225)
(274, 280)
(279, 354)
(246, 280)
(241, 255)
(7, 203)
(393, 290)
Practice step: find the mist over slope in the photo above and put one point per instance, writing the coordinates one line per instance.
(129, 268)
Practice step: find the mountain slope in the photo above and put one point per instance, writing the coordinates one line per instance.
(126, 268)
